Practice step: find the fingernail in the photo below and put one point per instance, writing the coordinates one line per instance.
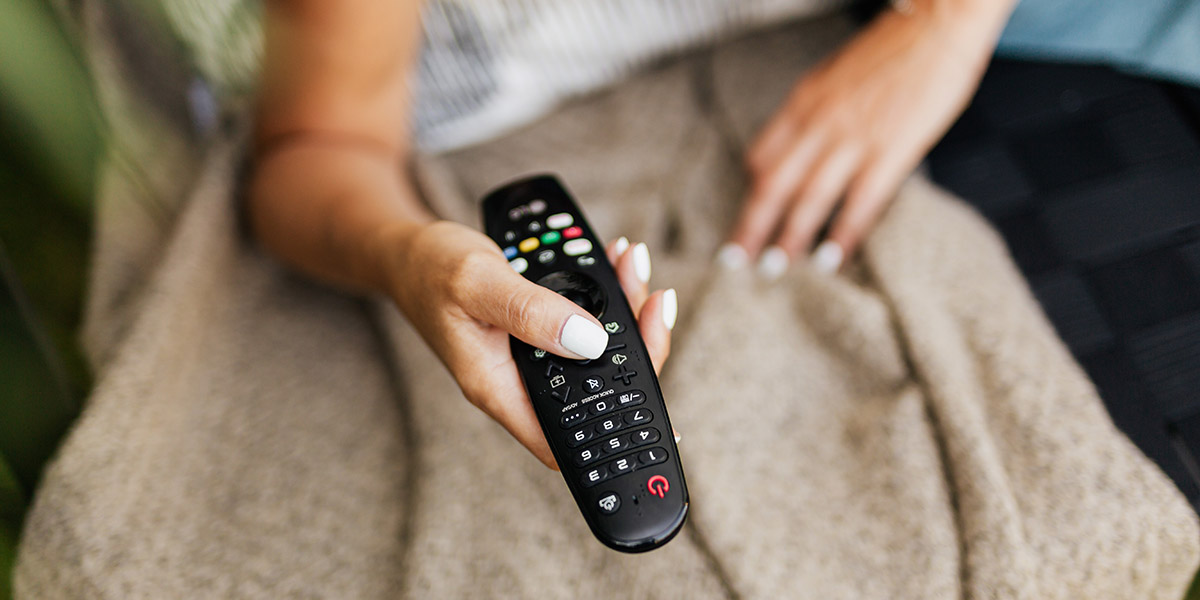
(677, 436)
(670, 308)
(641, 262)
(827, 258)
(732, 257)
(773, 263)
(622, 244)
(583, 337)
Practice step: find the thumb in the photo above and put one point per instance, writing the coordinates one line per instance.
(537, 316)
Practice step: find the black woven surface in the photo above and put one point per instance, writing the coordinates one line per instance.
(1093, 179)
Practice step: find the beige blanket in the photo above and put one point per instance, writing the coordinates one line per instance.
(911, 429)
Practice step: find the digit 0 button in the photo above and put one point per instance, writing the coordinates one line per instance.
(576, 247)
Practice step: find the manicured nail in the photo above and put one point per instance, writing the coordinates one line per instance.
(583, 337)
(670, 308)
(677, 436)
(827, 258)
(621, 245)
(773, 263)
(641, 262)
(732, 257)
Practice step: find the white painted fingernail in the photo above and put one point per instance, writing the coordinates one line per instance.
(678, 437)
(583, 337)
(641, 262)
(670, 308)
(827, 258)
(621, 245)
(773, 263)
(732, 257)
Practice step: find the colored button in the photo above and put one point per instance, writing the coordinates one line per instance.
(551, 237)
(658, 485)
(519, 265)
(609, 503)
(572, 232)
(560, 220)
(528, 244)
(577, 247)
(510, 252)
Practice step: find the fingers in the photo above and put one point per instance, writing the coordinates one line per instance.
(532, 313)
(655, 321)
(816, 200)
(769, 199)
(866, 201)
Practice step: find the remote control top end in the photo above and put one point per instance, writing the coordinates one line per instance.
(605, 419)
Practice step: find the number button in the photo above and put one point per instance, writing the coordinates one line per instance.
(594, 476)
(615, 445)
(638, 416)
(621, 466)
(631, 398)
(579, 438)
(652, 456)
(586, 456)
(600, 407)
(643, 437)
(607, 426)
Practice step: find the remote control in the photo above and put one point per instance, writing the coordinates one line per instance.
(605, 419)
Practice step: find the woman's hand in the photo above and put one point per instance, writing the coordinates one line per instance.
(856, 126)
(457, 289)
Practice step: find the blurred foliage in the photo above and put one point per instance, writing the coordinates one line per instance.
(50, 140)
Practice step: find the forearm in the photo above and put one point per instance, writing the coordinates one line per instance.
(334, 209)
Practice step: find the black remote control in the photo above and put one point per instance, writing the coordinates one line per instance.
(605, 419)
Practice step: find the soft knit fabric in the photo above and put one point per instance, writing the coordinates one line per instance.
(912, 429)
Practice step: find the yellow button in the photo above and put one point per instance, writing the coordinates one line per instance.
(528, 245)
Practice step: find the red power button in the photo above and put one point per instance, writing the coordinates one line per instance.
(658, 485)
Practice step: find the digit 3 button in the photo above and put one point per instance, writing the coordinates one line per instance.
(609, 503)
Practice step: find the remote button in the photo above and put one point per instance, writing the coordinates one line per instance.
(609, 503)
(593, 384)
(560, 220)
(631, 398)
(534, 227)
(622, 466)
(573, 417)
(652, 456)
(613, 328)
(619, 359)
(572, 232)
(562, 395)
(585, 261)
(557, 380)
(551, 237)
(624, 375)
(642, 437)
(600, 407)
(579, 437)
(510, 235)
(528, 244)
(519, 265)
(546, 257)
(577, 247)
(638, 416)
(537, 207)
(586, 456)
(510, 252)
(594, 476)
(552, 368)
(537, 354)
(615, 445)
(658, 485)
(607, 426)
(614, 348)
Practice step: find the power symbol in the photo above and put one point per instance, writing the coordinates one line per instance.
(658, 486)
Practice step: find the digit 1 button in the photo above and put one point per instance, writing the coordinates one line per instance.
(652, 456)
(577, 247)
(560, 220)
(609, 503)
(594, 476)
(528, 244)
(638, 417)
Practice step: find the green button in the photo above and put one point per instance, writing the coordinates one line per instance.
(550, 237)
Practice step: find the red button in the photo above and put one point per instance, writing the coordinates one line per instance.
(658, 486)
(572, 232)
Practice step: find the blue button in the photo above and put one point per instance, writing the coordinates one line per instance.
(510, 252)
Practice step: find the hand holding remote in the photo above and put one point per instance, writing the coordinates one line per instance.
(458, 290)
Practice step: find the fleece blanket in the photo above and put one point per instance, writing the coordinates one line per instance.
(911, 428)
